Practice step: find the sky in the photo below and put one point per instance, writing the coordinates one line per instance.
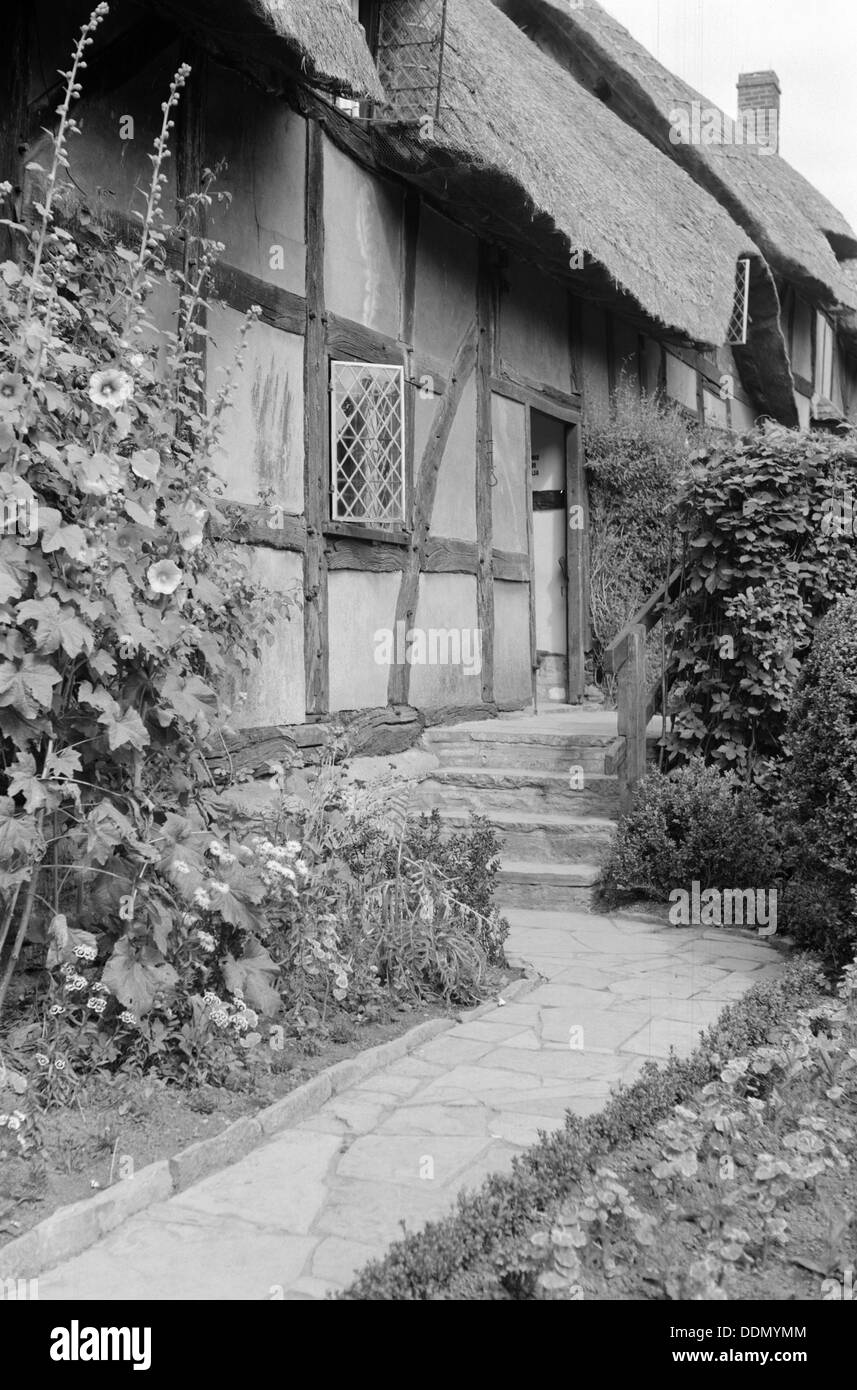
(813, 49)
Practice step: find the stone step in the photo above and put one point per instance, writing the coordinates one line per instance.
(497, 732)
(542, 836)
(499, 753)
(551, 887)
(498, 789)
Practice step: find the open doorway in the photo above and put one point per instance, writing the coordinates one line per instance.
(557, 558)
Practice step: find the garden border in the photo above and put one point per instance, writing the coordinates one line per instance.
(70, 1230)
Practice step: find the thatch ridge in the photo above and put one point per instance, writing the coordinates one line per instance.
(518, 118)
(316, 41)
(794, 224)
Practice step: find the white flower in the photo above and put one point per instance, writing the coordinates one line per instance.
(97, 1003)
(293, 847)
(180, 866)
(12, 1123)
(164, 577)
(227, 857)
(110, 388)
(202, 899)
(206, 940)
(76, 983)
(42, 1060)
(216, 848)
(60, 1064)
(126, 1016)
(217, 886)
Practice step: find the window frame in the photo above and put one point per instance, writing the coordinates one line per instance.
(825, 337)
(396, 533)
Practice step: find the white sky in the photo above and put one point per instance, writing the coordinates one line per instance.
(813, 49)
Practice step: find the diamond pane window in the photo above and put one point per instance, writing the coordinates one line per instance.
(367, 420)
(737, 334)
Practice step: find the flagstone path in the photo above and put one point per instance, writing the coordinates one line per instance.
(296, 1217)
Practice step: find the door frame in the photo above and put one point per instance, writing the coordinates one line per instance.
(576, 545)
(577, 539)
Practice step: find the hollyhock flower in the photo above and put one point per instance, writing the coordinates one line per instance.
(11, 390)
(164, 577)
(110, 388)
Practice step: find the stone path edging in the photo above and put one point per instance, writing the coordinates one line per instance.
(70, 1230)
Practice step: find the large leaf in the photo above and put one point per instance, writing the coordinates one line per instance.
(29, 688)
(251, 977)
(55, 626)
(135, 975)
(128, 728)
(190, 697)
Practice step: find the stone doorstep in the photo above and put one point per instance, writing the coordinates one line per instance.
(70, 1230)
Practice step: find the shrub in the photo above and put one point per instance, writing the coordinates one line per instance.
(819, 798)
(472, 1253)
(124, 614)
(763, 563)
(639, 453)
(469, 860)
(694, 823)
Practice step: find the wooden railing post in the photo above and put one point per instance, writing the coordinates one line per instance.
(631, 711)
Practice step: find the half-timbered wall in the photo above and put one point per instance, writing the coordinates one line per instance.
(347, 263)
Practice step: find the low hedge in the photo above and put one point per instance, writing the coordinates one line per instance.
(469, 1254)
(820, 792)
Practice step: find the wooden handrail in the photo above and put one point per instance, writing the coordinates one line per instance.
(651, 612)
(625, 658)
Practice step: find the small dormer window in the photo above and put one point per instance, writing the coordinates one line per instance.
(824, 351)
(365, 13)
(739, 323)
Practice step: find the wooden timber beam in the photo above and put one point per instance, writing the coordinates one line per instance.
(486, 363)
(425, 491)
(316, 662)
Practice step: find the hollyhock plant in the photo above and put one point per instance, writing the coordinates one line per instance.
(110, 388)
(110, 697)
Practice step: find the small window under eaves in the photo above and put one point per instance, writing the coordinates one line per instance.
(365, 12)
(740, 320)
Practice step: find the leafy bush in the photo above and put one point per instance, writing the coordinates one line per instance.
(639, 453)
(762, 565)
(123, 617)
(709, 1199)
(819, 799)
(468, 859)
(419, 904)
(694, 823)
(474, 1253)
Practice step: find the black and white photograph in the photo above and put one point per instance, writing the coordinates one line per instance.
(428, 669)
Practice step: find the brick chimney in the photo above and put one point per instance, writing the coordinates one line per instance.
(759, 107)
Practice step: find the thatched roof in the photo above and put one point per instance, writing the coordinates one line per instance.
(316, 41)
(524, 148)
(800, 232)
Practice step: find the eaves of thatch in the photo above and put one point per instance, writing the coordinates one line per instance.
(520, 149)
(802, 235)
(277, 42)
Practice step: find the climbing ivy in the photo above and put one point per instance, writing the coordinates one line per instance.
(767, 548)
